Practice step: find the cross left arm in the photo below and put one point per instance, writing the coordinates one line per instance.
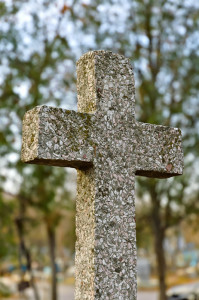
(57, 137)
(159, 151)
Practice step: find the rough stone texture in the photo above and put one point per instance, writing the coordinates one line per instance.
(109, 147)
(57, 137)
(159, 151)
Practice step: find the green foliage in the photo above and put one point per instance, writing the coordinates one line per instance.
(44, 189)
(7, 234)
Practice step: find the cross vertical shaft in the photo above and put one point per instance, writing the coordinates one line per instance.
(106, 240)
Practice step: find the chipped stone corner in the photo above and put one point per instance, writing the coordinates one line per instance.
(30, 135)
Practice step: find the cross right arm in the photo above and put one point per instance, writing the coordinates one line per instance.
(159, 151)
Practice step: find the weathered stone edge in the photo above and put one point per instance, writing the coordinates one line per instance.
(30, 135)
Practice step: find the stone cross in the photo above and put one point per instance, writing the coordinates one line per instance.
(108, 147)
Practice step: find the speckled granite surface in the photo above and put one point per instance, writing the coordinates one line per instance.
(108, 147)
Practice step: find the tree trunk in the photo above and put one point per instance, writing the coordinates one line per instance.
(23, 251)
(52, 244)
(159, 235)
(161, 265)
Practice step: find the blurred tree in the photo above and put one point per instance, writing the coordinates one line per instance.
(167, 89)
(36, 69)
(25, 259)
(45, 190)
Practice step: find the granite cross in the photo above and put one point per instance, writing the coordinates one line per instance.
(108, 147)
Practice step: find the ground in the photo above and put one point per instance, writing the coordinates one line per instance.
(67, 293)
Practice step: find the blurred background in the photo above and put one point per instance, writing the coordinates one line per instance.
(40, 41)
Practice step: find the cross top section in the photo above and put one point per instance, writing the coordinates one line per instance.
(105, 82)
(108, 147)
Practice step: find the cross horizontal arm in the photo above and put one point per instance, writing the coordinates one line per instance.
(159, 151)
(57, 137)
